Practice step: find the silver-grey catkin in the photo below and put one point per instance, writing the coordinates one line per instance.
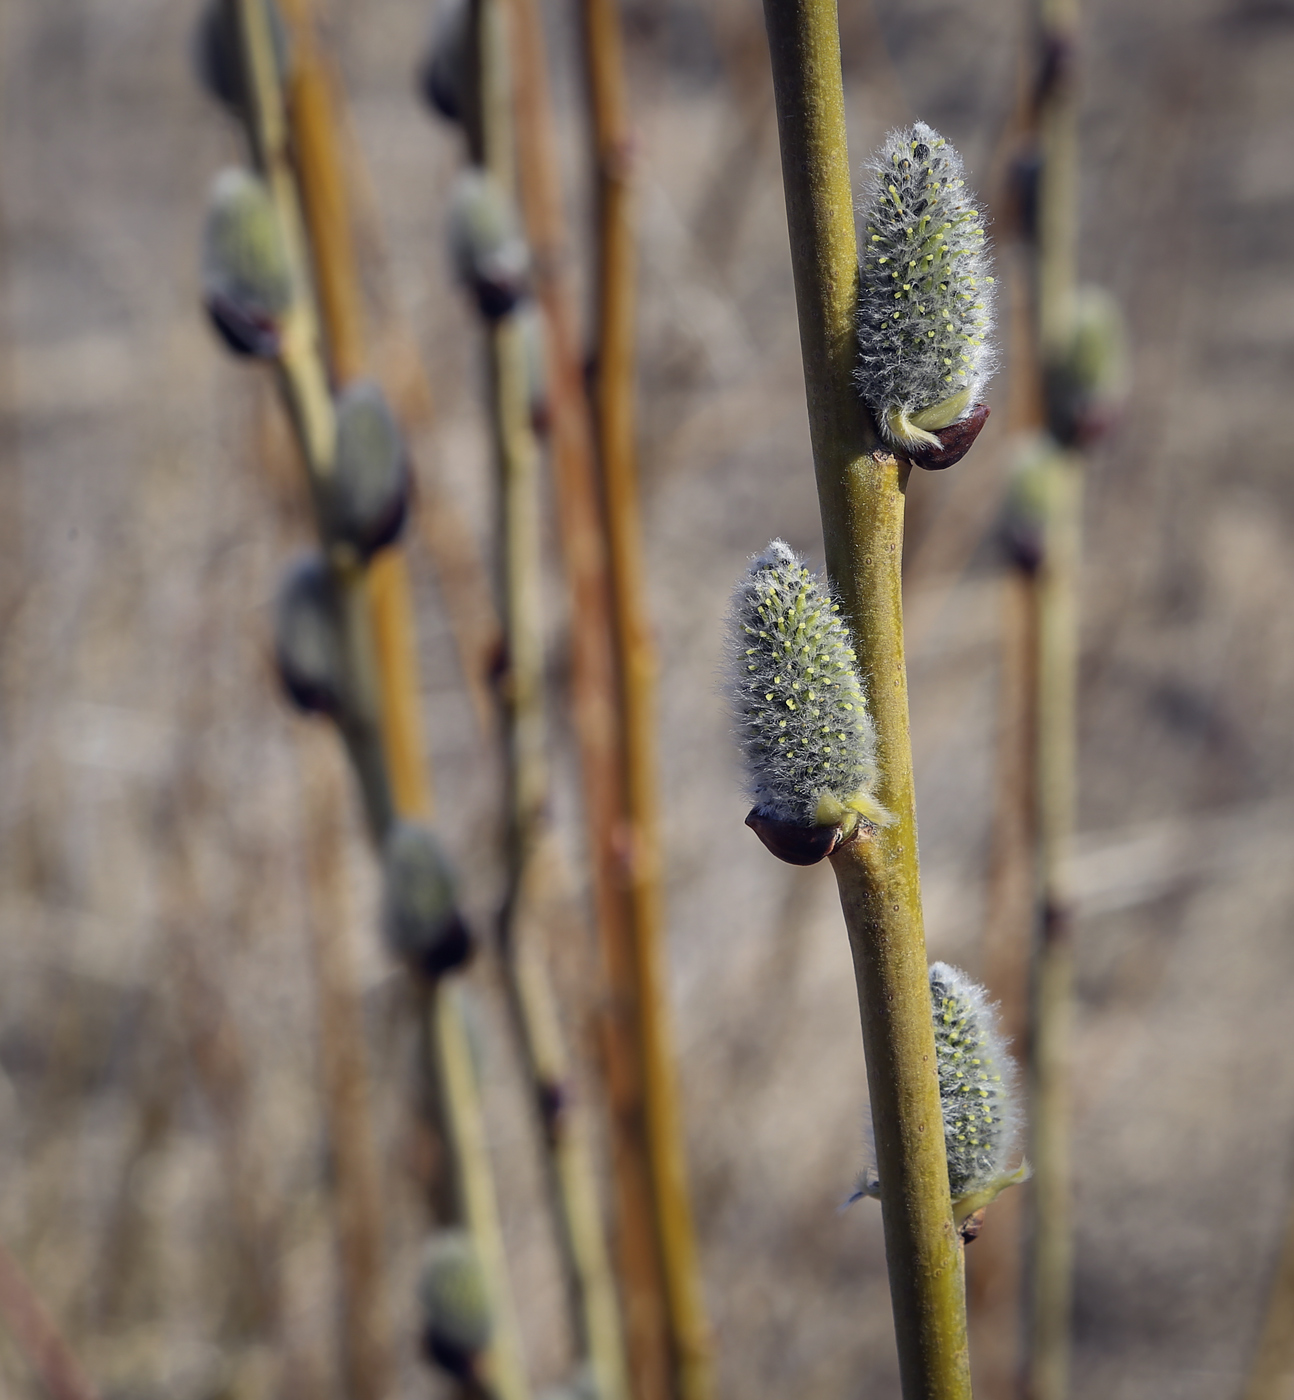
(801, 715)
(977, 1093)
(925, 305)
(976, 1082)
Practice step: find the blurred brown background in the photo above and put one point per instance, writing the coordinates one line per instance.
(160, 1127)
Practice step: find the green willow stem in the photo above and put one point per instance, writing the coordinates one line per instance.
(531, 853)
(861, 494)
(304, 383)
(472, 1185)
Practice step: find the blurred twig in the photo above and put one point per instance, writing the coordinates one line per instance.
(615, 429)
(38, 1337)
(368, 1361)
(593, 694)
(404, 757)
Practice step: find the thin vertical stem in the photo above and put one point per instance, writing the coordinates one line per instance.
(1049, 1289)
(593, 693)
(304, 381)
(1273, 1365)
(591, 1290)
(614, 418)
(860, 490)
(473, 1181)
(994, 1266)
(594, 1308)
(368, 1363)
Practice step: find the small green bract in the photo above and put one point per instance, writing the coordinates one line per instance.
(798, 700)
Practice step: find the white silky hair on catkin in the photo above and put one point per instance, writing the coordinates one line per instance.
(977, 1082)
(978, 1094)
(798, 701)
(925, 306)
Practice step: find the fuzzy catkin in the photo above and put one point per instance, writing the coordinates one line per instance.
(977, 1093)
(925, 303)
(457, 1322)
(246, 273)
(976, 1083)
(798, 701)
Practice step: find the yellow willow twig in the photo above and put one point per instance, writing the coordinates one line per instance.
(593, 696)
(531, 843)
(860, 489)
(614, 417)
(532, 851)
(314, 129)
(304, 380)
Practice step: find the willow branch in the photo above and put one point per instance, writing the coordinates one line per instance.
(617, 457)
(383, 613)
(593, 693)
(860, 490)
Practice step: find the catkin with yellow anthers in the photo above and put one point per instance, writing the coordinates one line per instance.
(976, 1084)
(246, 274)
(925, 306)
(798, 701)
(977, 1092)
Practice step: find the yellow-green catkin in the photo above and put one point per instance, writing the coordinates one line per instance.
(977, 1091)
(457, 1324)
(246, 274)
(925, 307)
(798, 700)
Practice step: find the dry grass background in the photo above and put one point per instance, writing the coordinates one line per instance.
(163, 1175)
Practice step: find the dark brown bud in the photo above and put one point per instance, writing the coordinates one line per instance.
(957, 442)
(792, 842)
